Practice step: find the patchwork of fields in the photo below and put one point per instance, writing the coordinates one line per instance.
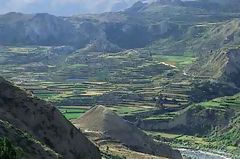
(127, 81)
(138, 85)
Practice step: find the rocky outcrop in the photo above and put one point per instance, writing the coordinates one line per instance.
(102, 120)
(223, 65)
(44, 122)
(231, 72)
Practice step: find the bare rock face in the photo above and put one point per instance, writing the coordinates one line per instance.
(223, 65)
(44, 122)
(232, 69)
(102, 120)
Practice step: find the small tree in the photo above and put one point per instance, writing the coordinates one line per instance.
(159, 101)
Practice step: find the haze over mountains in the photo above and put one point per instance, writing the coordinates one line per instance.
(73, 7)
(134, 28)
(63, 7)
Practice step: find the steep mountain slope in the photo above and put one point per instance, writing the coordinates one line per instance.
(38, 29)
(223, 65)
(102, 120)
(44, 122)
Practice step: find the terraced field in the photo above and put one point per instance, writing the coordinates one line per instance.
(224, 102)
(130, 79)
(133, 83)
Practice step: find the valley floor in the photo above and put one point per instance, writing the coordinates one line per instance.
(143, 88)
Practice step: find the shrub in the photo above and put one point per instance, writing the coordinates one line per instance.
(7, 150)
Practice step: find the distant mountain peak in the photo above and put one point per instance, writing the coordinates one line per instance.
(136, 7)
(169, 2)
(13, 14)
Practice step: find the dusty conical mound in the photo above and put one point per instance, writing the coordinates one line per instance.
(104, 120)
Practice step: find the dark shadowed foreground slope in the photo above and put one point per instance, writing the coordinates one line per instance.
(102, 120)
(25, 145)
(44, 122)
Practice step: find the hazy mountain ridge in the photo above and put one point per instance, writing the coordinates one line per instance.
(39, 29)
(134, 28)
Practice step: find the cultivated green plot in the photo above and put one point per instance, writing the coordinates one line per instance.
(72, 112)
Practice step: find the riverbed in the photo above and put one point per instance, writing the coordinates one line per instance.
(198, 154)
